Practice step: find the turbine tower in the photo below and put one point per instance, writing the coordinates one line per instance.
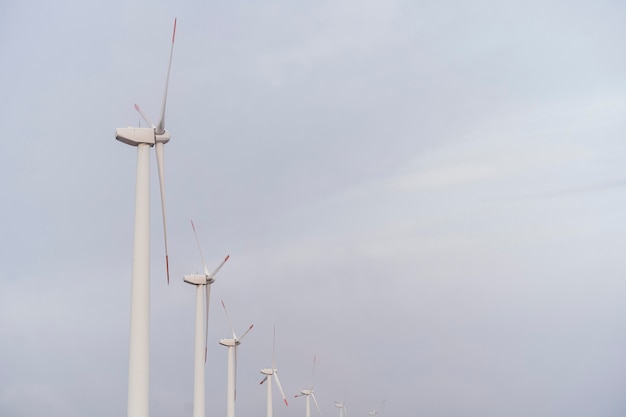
(203, 288)
(309, 393)
(272, 373)
(233, 347)
(343, 411)
(139, 356)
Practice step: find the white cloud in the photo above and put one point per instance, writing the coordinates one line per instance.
(444, 177)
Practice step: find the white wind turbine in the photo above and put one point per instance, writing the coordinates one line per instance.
(233, 345)
(375, 411)
(203, 288)
(272, 373)
(343, 411)
(309, 393)
(139, 356)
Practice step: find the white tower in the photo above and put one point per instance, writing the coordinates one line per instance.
(233, 348)
(308, 393)
(203, 289)
(272, 374)
(139, 355)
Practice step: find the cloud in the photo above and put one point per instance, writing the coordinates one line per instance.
(447, 176)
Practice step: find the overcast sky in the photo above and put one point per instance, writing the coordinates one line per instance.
(429, 196)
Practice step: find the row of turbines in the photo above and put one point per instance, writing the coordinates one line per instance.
(156, 136)
(203, 283)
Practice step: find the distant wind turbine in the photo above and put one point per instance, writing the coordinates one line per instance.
(233, 348)
(272, 373)
(202, 282)
(308, 393)
(375, 411)
(139, 356)
(343, 411)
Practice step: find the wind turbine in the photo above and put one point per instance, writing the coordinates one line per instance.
(139, 356)
(309, 393)
(374, 412)
(202, 282)
(233, 345)
(269, 373)
(343, 411)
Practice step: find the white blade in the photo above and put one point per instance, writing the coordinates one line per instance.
(159, 155)
(316, 404)
(143, 115)
(206, 320)
(212, 274)
(206, 271)
(245, 333)
(274, 351)
(280, 388)
(229, 322)
(160, 129)
(313, 375)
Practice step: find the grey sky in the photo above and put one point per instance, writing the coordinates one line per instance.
(428, 196)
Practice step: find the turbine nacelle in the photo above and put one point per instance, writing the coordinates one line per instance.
(268, 371)
(198, 279)
(306, 392)
(134, 136)
(230, 342)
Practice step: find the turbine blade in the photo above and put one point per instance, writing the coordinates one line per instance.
(316, 404)
(263, 380)
(206, 271)
(245, 333)
(212, 274)
(274, 351)
(143, 116)
(280, 388)
(159, 155)
(229, 322)
(206, 320)
(160, 129)
(313, 375)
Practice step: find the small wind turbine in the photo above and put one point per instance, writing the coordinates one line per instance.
(375, 411)
(201, 282)
(233, 345)
(139, 356)
(269, 373)
(343, 411)
(309, 393)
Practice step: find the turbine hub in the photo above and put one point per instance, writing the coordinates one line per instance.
(163, 138)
